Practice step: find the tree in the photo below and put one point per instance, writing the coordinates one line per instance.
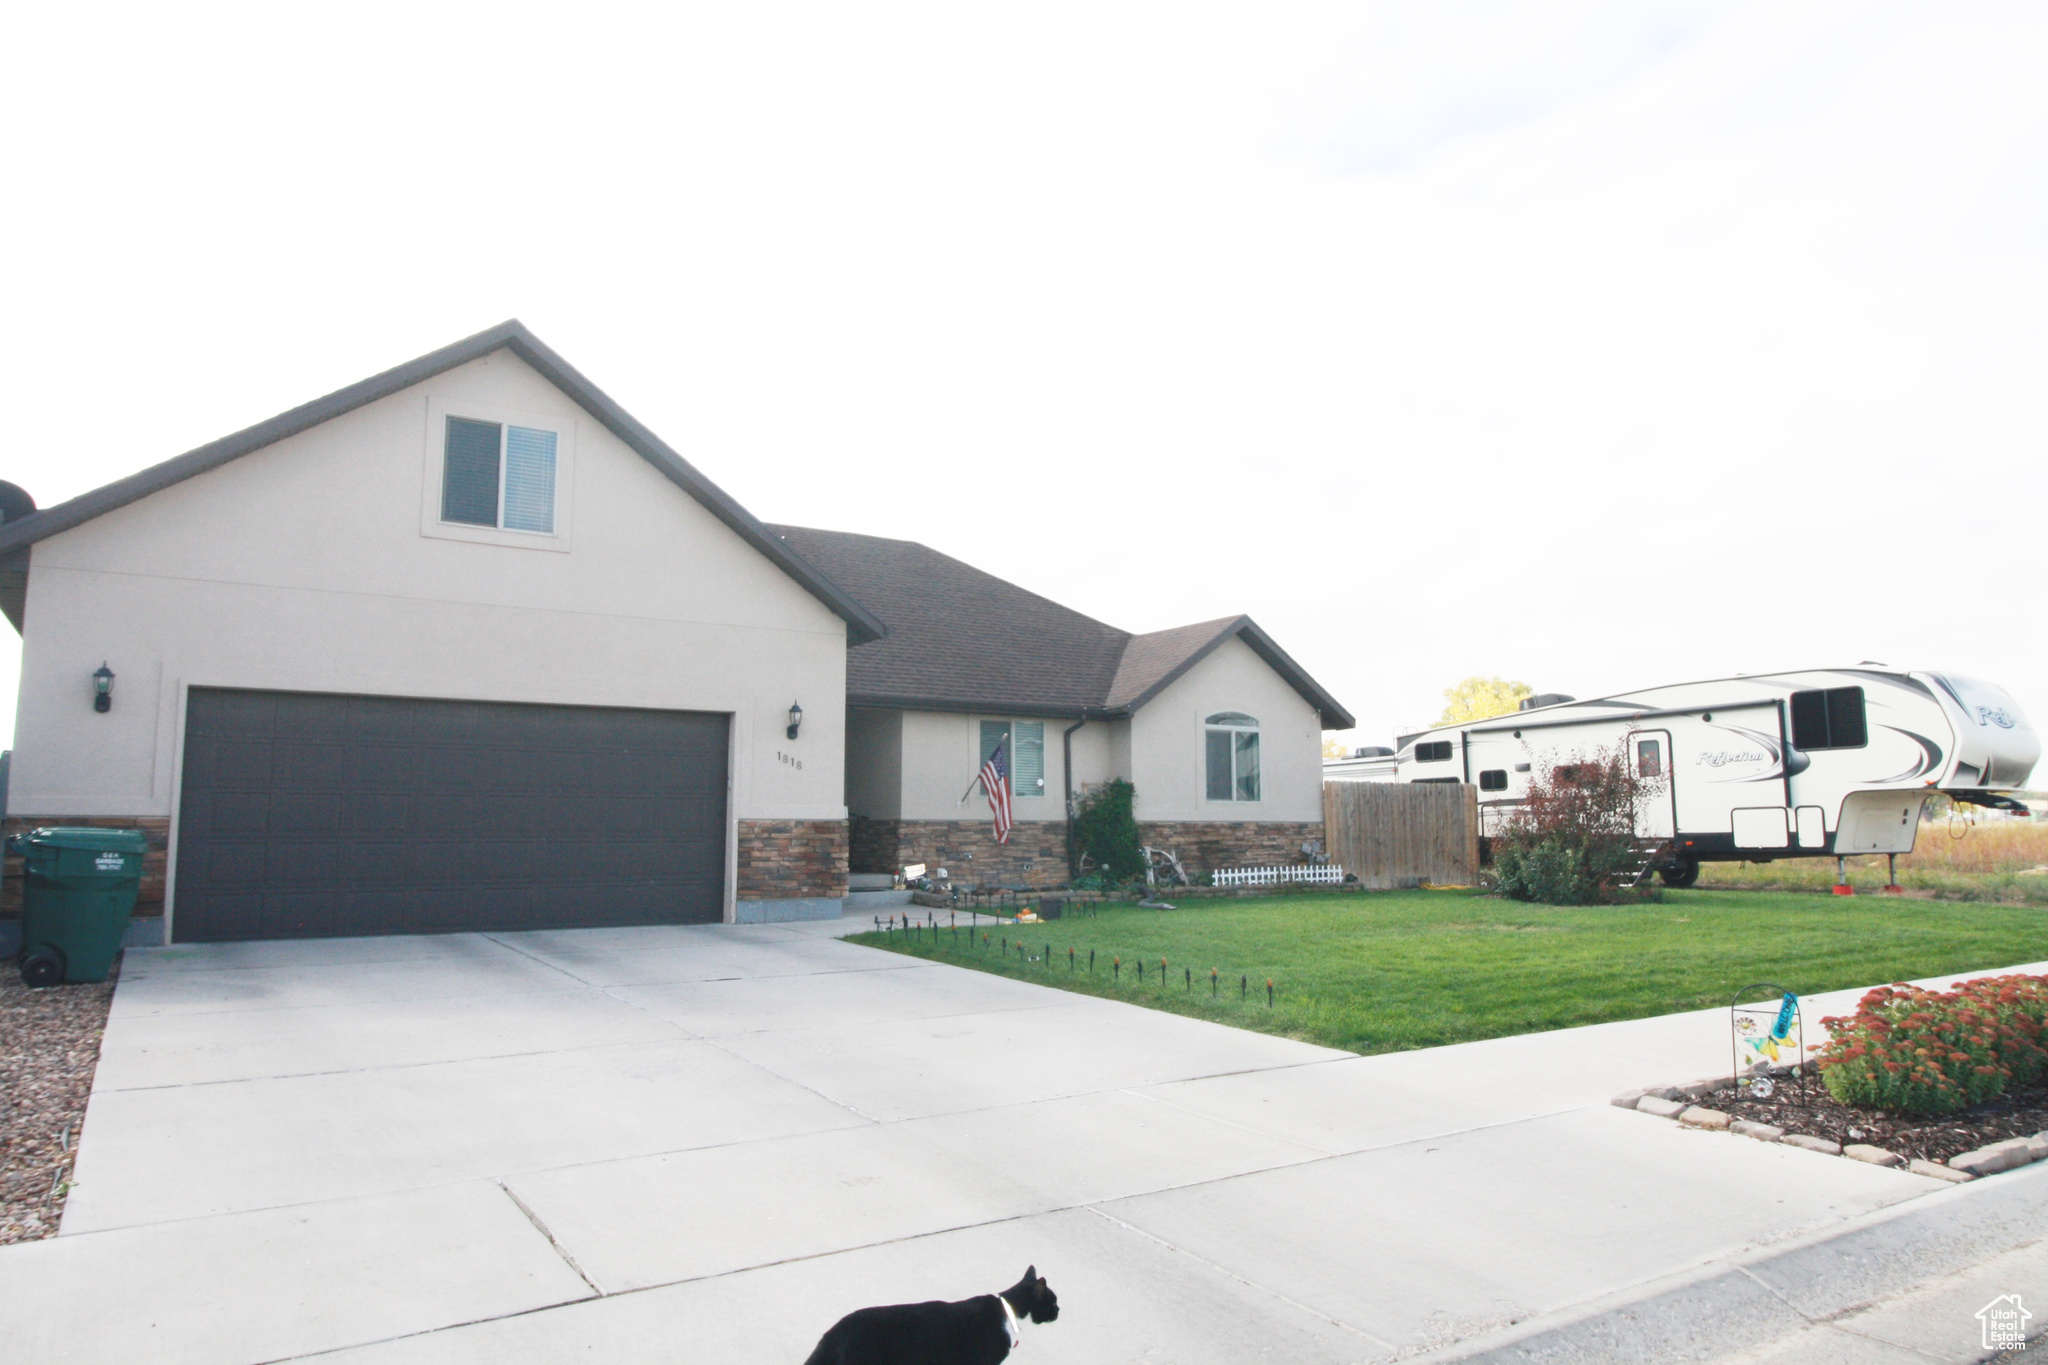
(1481, 699)
(1335, 748)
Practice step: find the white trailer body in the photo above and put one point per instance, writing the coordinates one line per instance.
(1810, 764)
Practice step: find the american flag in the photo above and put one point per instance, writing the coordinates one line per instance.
(995, 784)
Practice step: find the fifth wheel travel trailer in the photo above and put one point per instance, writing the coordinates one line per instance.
(1821, 763)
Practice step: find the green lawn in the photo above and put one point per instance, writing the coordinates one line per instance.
(1387, 971)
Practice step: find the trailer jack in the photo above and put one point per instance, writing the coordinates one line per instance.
(1842, 887)
(1891, 876)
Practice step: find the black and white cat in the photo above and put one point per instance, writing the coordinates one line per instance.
(978, 1331)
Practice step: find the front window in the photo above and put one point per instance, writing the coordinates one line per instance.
(498, 475)
(1231, 744)
(1026, 751)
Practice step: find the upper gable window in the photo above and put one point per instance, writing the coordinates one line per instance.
(498, 475)
(1231, 748)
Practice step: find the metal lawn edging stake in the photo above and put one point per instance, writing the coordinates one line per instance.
(1765, 1043)
(1242, 988)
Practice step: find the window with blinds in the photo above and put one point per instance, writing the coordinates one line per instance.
(1025, 755)
(499, 475)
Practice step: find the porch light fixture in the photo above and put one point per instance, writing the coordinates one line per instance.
(103, 688)
(796, 718)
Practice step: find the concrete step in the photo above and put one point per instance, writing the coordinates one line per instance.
(875, 900)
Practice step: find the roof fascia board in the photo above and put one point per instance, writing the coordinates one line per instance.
(861, 624)
(875, 701)
(1334, 716)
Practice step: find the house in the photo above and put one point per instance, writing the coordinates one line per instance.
(465, 646)
(1219, 731)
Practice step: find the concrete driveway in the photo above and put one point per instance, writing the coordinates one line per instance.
(705, 1144)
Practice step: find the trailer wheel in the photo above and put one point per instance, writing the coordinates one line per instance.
(1680, 874)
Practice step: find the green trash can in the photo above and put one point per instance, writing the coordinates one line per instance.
(78, 890)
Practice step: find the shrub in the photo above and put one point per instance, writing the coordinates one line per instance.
(1106, 829)
(1929, 1052)
(1576, 831)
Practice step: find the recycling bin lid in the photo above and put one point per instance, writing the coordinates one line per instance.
(87, 837)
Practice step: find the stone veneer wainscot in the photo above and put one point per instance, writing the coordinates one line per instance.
(790, 869)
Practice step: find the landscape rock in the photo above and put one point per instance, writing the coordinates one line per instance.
(1876, 1156)
(1762, 1132)
(1627, 1099)
(1938, 1171)
(1703, 1118)
(1988, 1160)
(2018, 1151)
(1662, 1108)
(1701, 1089)
(1812, 1144)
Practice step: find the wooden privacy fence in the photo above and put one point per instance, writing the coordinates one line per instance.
(1394, 834)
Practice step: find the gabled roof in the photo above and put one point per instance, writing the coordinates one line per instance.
(15, 536)
(965, 640)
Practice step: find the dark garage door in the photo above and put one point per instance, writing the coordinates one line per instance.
(305, 815)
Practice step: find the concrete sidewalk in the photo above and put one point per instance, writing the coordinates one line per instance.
(706, 1144)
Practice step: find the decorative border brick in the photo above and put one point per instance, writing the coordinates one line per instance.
(1674, 1102)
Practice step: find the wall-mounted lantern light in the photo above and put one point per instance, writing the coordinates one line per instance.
(103, 688)
(796, 718)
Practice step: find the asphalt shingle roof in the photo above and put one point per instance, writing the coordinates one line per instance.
(961, 639)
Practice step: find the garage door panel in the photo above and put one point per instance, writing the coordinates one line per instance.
(240, 762)
(305, 815)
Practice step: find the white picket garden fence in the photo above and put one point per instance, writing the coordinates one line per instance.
(1328, 874)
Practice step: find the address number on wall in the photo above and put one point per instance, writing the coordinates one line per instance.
(791, 760)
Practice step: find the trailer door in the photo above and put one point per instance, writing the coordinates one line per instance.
(1650, 751)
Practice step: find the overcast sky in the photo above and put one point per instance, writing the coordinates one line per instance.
(1594, 344)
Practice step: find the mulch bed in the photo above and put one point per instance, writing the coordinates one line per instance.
(49, 1047)
(2021, 1112)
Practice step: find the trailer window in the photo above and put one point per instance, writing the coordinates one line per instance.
(1493, 780)
(1436, 752)
(1649, 758)
(1830, 719)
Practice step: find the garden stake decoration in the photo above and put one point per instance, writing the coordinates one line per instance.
(1212, 983)
(1070, 959)
(1269, 992)
(1091, 962)
(1189, 984)
(1116, 969)
(1755, 1047)
(1162, 973)
(1242, 989)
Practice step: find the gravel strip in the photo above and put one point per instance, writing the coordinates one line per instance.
(49, 1046)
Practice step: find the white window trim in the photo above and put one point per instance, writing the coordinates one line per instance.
(1202, 729)
(439, 410)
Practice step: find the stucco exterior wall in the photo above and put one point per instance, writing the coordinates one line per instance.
(942, 753)
(315, 565)
(1166, 743)
(925, 759)
(874, 763)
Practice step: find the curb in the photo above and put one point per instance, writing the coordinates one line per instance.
(1729, 1306)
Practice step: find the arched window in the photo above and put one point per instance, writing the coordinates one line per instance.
(1231, 746)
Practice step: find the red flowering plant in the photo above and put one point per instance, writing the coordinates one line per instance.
(1917, 1051)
